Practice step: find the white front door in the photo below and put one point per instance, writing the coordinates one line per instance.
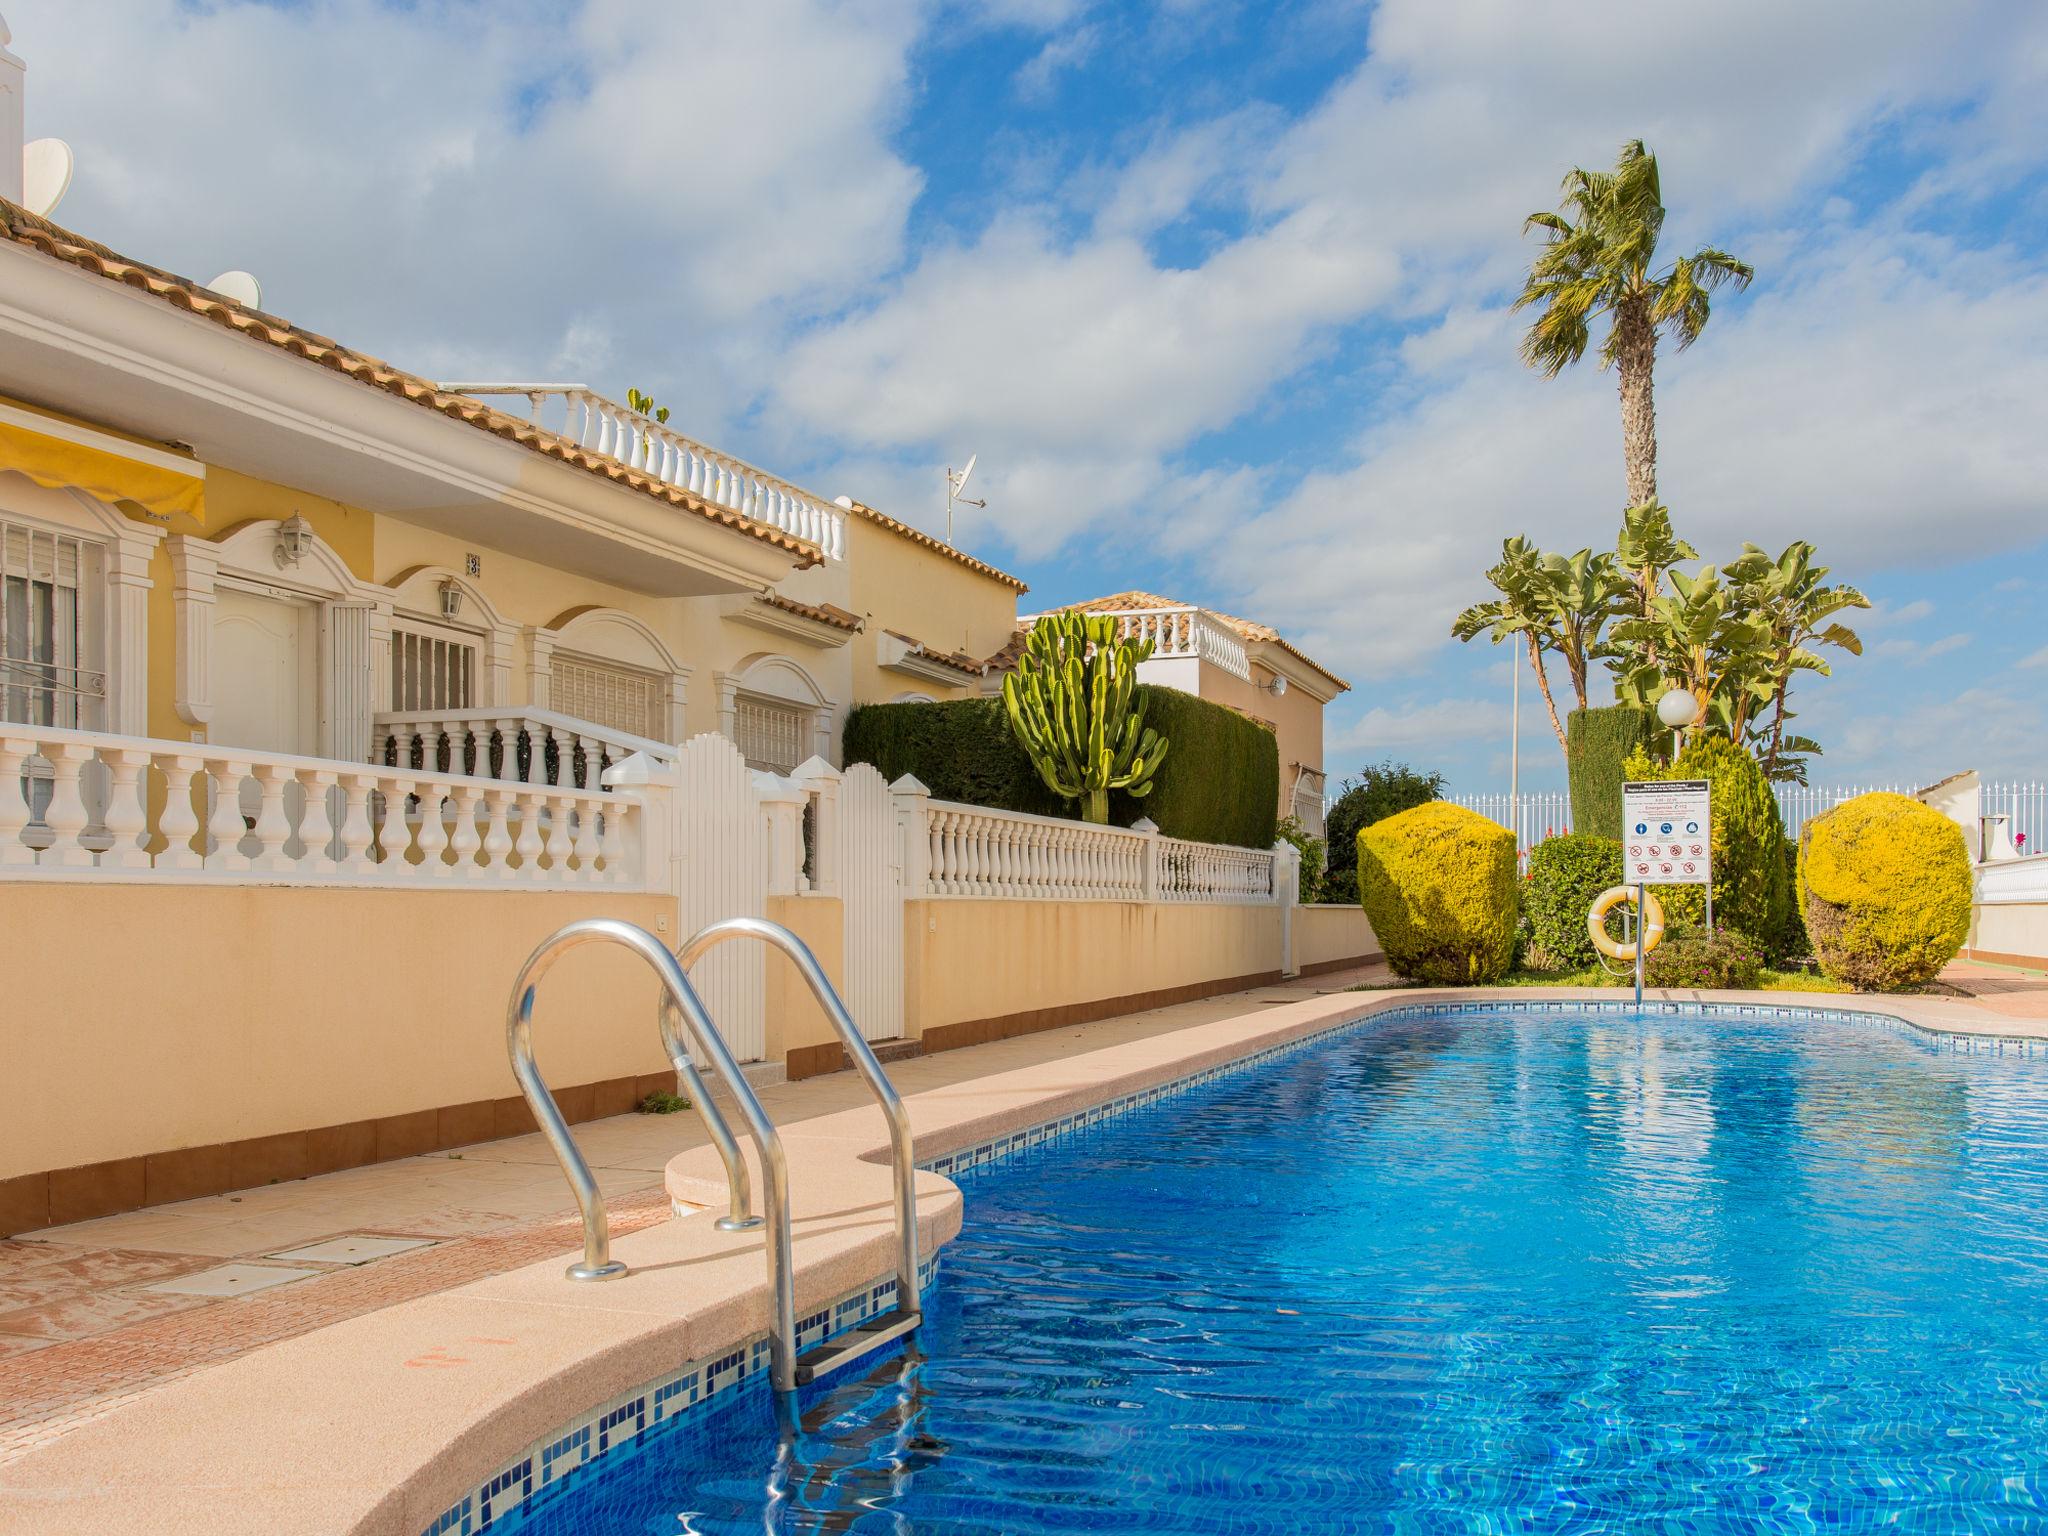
(266, 691)
(871, 891)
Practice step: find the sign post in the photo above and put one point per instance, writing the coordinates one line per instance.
(1666, 839)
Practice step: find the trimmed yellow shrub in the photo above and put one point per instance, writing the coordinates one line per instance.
(1884, 883)
(1438, 886)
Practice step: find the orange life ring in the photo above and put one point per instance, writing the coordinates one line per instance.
(1606, 902)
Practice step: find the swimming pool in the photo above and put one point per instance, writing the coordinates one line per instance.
(1496, 1270)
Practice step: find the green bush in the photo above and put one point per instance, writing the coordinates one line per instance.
(1725, 959)
(1598, 743)
(1751, 892)
(1438, 886)
(1885, 885)
(1219, 784)
(1380, 790)
(1565, 874)
(1221, 781)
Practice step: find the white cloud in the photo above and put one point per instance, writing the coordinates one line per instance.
(1040, 75)
(2037, 659)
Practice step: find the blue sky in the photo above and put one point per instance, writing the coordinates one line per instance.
(1217, 292)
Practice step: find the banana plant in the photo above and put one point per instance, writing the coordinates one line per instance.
(1076, 707)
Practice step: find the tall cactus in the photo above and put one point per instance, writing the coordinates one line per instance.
(1076, 707)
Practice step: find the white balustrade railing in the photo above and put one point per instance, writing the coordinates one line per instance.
(592, 421)
(1213, 872)
(526, 746)
(1181, 632)
(85, 805)
(1009, 856)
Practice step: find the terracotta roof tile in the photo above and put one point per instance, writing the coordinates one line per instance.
(937, 546)
(824, 613)
(959, 661)
(23, 228)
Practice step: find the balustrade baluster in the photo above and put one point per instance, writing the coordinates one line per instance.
(611, 840)
(126, 822)
(433, 833)
(586, 842)
(529, 845)
(66, 815)
(497, 845)
(356, 832)
(394, 834)
(464, 841)
(225, 823)
(15, 753)
(559, 844)
(316, 821)
(179, 821)
(273, 826)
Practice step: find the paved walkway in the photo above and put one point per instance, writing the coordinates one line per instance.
(84, 1326)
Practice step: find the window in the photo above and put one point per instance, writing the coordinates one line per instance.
(603, 693)
(770, 734)
(47, 649)
(431, 669)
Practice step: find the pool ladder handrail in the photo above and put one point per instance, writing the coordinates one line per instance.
(681, 1005)
(790, 1371)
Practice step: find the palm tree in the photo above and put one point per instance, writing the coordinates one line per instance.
(1579, 593)
(1787, 594)
(1521, 609)
(1600, 265)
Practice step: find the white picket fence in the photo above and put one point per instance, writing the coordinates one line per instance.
(1542, 813)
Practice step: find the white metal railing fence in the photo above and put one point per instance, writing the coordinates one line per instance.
(1006, 855)
(1541, 813)
(588, 419)
(82, 804)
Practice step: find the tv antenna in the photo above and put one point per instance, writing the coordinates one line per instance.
(46, 167)
(240, 286)
(955, 486)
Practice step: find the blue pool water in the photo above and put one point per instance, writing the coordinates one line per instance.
(1511, 1272)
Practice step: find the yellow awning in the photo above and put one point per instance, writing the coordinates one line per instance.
(106, 472)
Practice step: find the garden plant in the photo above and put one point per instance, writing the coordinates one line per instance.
(1438, 886)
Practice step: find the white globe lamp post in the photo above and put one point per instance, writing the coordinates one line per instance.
(1679, 709)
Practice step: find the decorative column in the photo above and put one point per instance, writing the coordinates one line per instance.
(194, 564)
(913, 829)
(349, 679)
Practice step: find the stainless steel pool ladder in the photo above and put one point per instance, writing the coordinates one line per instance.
(685, 1022)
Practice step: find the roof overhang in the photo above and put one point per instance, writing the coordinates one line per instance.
(912, 658)
(805, 623)
(1309, 678)
(75, 342)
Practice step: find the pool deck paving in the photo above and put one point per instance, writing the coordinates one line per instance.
(88, 1333)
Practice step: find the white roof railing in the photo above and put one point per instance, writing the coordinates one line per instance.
(1178, 632)
(601, 425)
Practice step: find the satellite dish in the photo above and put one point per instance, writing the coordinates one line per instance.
(240, 286)
(955, 485)
(960, 484)
(46, 166)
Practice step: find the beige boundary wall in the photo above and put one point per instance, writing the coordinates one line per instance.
(2009, 933)
(163, 1043)
(1329, 938)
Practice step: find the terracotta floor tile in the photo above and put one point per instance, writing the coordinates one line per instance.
(96, 1312)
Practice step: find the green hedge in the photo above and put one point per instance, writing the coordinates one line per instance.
(1220, 782)
(1598, 743)
(1380, 790)
(1565, 875)
(961, 751)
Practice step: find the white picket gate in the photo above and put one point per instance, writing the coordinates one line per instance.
(871, 886)
(722, 872)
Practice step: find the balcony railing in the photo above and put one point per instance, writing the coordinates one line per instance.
(78, 803)
(521, 746)
(584, 417)
(1177, 633)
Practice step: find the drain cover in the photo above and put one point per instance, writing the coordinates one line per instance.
(232, 1280)
(355, 1248)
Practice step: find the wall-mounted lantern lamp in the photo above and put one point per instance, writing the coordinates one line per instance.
(451, 598)
(294, 541)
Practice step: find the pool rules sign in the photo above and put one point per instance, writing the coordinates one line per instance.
(1666, 833)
